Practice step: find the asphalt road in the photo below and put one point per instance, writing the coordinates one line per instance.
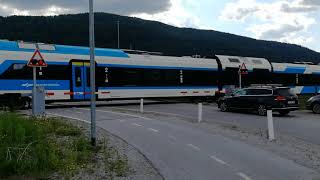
(300, 124)
(180, 151)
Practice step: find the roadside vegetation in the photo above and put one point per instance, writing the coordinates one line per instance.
(43, 148)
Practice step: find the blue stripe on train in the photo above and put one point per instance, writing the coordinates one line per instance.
(310, 89)
(21, 85)
(293, 70)
(61, 49)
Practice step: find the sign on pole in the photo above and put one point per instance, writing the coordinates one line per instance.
(36, 60)
(242, 70)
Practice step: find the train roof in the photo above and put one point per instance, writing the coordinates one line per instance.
(63, 54)
(250, 62)
(291, 68)
(60, 49)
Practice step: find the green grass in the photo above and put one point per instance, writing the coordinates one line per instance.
(36, 148)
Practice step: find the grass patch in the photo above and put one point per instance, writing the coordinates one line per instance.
(37, 148)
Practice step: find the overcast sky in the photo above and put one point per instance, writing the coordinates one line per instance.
(293, 21)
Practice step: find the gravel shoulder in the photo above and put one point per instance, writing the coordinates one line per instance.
(292, 148)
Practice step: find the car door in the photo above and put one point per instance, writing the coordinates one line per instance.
(245, 99)
(234, 100)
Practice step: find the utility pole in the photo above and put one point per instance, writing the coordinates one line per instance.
(92, 74)
(118, 23)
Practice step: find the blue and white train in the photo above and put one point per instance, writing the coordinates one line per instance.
(124, 74)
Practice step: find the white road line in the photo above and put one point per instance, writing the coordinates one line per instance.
(244, 176)
(79, 112)
(154, 130)
(156, 112)
(122, 120)
(130, 115)
(219, 160)
(69, 117)
(135, 124)
(172, 137)
(194, 147)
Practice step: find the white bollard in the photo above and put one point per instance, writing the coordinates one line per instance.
(199, 112)
(141, 105)
(270, 125)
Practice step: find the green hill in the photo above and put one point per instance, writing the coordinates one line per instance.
(147, 35)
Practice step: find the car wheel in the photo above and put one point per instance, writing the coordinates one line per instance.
(316, 108)
(262, 110)
(223, 107)
(284, 112)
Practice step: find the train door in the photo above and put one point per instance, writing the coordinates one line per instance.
(81, 80)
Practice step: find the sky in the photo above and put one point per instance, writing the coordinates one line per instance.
(291, 21)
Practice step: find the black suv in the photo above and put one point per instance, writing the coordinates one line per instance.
(314, 104)
(258, 99)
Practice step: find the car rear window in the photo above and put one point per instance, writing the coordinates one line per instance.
(284, 92)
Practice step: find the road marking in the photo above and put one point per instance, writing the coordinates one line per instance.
(154, 130)
(78, 112)
(194, 147)
(135, 124)
(69, 117)
(172, 137)
(122, 120)
(219, 160)
(244, 176)
(130, 115)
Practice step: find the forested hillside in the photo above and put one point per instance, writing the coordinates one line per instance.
(146, 35)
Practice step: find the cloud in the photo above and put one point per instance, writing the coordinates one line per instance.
(176, 15)
(239, 11)
(41, 7)
(285, 20)
(310, 2)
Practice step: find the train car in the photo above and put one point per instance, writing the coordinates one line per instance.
(118, 74)
(302, 78)
(259, 70)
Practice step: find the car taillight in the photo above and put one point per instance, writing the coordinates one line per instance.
(280, 98)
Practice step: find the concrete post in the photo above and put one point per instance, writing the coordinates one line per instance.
(270, 125)
(141, 105)
(199, 112)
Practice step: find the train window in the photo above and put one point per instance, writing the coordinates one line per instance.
(18, 66)
(88, 76)
(200, 78)
(78, 76)
(256, 61)
(17, 71)
(284, 79)
(123, 77)
(55, 72)
(234, 60)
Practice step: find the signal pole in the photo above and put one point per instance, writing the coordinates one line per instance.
(92, 74)
(34, 89)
